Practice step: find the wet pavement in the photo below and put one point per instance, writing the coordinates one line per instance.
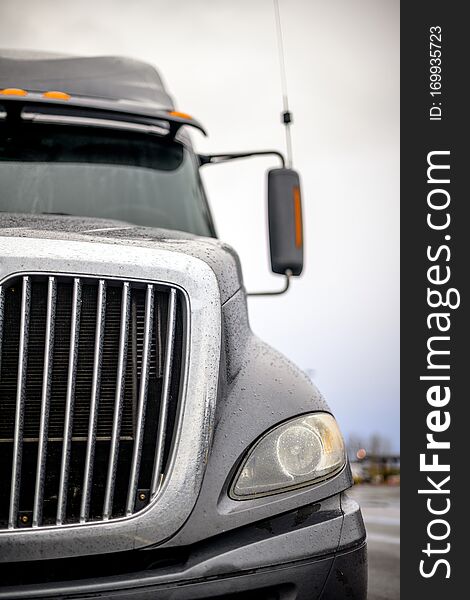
(381, 510)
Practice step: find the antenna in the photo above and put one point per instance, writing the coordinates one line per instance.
(286, 114)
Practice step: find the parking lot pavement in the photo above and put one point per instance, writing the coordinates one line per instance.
(381, 510)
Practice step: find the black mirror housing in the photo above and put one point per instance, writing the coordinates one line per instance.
(285, 221)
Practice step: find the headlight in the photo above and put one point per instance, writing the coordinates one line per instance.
(300, 452)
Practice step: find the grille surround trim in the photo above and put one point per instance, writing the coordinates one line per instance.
(201, 350)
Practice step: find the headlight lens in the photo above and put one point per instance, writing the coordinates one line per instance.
(302, 451)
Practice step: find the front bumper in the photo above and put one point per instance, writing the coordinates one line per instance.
(316, 552)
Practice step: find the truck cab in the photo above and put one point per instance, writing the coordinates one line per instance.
(151, 445)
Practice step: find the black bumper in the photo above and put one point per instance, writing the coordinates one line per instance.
(279, 559)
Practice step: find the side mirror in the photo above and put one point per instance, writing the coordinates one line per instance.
(285, 221)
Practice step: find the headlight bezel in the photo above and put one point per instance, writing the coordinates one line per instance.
(278, 429)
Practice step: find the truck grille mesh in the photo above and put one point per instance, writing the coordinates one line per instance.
(90, 375)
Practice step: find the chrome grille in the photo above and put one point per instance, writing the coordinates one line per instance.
(90, 373)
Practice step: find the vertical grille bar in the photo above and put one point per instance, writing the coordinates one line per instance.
(45, 402)
(170, 338)
(158, 336)
(120, 383)
(68, 421)
(95, 390)
(142, 400)
(2, 308)
(20, 399)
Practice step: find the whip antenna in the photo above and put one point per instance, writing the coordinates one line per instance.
(286, 114)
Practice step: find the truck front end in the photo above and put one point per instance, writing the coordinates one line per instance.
(151, 445)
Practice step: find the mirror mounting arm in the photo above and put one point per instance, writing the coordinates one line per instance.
(284, 216)
(287, 275)
(206, 159)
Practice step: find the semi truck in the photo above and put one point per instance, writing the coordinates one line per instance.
(151, 446)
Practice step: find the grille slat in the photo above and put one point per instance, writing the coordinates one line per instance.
(20, 402)
(90, 373)
(95, 387)
(2, 316)
(118, 403)
(142, 400)
(160, 447)
(69, 400)
(45, 402)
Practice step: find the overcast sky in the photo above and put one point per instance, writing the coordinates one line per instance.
(219, 59)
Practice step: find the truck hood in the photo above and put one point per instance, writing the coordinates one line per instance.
(221, 258)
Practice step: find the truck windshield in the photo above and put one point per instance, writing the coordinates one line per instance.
(135, 177)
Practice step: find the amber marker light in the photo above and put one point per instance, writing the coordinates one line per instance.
(56, 95)
(180, 115)
(13, 92)
(298, 217)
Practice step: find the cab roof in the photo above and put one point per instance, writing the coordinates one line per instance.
(107, 78)
(106, 87)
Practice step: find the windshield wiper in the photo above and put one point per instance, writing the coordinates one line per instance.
(59, 214)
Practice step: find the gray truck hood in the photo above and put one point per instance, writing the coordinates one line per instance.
(222, 259)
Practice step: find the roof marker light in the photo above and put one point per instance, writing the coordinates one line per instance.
(181, 115)
(56, 95)
(13, 92)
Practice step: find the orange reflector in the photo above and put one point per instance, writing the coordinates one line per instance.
(181, 115)
(13, 92)
(56, 95)
(298, 217)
